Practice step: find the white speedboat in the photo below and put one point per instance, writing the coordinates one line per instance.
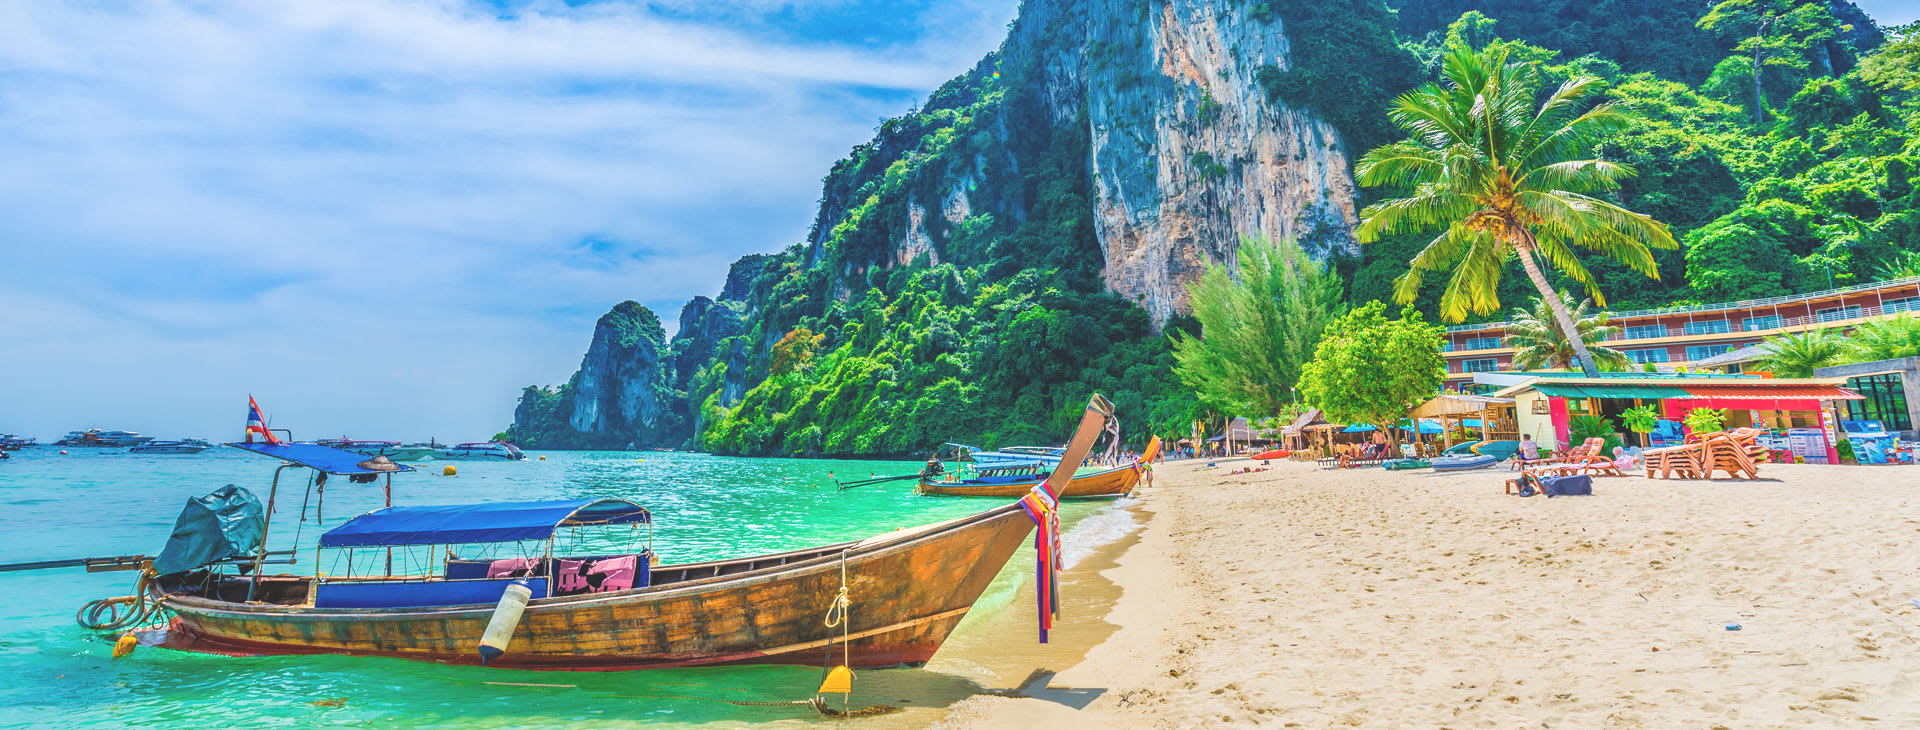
(184, 446)
(106, 439)
(479, 450)
(390, 449)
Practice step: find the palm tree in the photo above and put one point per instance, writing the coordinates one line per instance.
(1884, 339)
(1542, 344)
(1504, 179)
(1796, 356)
(1903, 265)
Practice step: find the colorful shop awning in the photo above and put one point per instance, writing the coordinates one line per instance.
(1794, 391)
(1610, 390)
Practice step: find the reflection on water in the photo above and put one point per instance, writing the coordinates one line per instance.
(706, 507)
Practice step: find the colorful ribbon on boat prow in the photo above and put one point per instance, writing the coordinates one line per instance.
(1042, 505)
(1045, 513)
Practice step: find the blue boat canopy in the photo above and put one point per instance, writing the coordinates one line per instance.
(470, 523)
(324, 458)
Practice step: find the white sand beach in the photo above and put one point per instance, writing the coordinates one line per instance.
(1305, 597)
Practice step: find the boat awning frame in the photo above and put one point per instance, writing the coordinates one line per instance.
(325, 458)
(480, 523)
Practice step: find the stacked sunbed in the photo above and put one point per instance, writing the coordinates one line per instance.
(1736, 452)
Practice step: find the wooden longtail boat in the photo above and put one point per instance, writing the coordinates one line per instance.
(910, 588)
(1111, 483)
(1116, 482)
(907, 589)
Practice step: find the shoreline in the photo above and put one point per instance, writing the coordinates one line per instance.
(1304, 597)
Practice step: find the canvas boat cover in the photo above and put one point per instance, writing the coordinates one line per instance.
(225, 524)
(324, 458)
(477, 523)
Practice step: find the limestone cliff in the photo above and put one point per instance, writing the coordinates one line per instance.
(623, 396)
(1188, 154)
(624, 386)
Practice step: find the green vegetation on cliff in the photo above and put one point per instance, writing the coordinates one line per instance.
(998, 342)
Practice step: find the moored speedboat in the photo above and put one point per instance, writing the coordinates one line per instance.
(479, 450)
(10, 442)
(104, 439)
(183, 446)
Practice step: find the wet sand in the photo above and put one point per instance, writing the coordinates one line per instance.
(1302, 597)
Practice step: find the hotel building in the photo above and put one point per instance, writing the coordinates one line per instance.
(1677, 336)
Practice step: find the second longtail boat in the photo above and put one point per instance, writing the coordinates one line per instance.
(1109, 483)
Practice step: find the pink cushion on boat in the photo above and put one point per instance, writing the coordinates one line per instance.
(506, 567)
(570, 579)
(618, 572)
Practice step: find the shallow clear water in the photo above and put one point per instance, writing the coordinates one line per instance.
(95, 503)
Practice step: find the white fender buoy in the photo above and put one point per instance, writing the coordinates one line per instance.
(506, 618)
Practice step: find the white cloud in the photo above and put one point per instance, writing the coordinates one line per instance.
(334, 205)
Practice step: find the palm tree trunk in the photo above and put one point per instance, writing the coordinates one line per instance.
(1552, 298)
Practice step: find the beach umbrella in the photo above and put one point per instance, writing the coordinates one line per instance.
(1358, 428)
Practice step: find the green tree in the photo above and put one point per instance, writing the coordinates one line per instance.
(1903, 265)
(1884, 339)
(1540, 343)
(1705, 420)
(1505, 179)
(1641, 419)
(1257, 329)
(1797, 355)
(1370, 369)
(1785, 34)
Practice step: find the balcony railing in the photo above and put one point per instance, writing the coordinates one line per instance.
(1748, 304)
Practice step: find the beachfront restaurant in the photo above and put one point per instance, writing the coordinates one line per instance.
(1798, 412)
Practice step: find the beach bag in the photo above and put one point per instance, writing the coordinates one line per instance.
(1567, 485)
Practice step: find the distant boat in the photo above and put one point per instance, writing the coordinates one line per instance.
(1016, 480)
(103, 439)
(479, 450)
(393, 450)
(184, 446)
(1007, 458)
(10, 442)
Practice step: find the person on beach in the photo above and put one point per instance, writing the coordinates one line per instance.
(1375, 450)
(1529, 451)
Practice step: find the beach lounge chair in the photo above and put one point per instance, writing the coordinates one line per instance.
(1737, 453)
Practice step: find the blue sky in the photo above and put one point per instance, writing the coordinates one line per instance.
(384, 217)
(1891, 12)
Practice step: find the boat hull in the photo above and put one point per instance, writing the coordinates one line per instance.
(1117, 482)
(909, 590)
(167, 449)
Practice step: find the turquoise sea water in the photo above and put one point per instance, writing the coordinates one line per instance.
(93, 503)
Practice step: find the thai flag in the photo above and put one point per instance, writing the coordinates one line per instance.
(257, 423)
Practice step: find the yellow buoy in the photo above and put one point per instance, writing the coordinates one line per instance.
(543, 457)
(839, 681)
(448, 470)
(124, 645)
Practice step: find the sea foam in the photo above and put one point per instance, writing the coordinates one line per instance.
(1112, 522)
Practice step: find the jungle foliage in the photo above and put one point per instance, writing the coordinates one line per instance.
(1258, 327)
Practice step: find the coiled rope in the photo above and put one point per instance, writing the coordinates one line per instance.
(122, 612)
